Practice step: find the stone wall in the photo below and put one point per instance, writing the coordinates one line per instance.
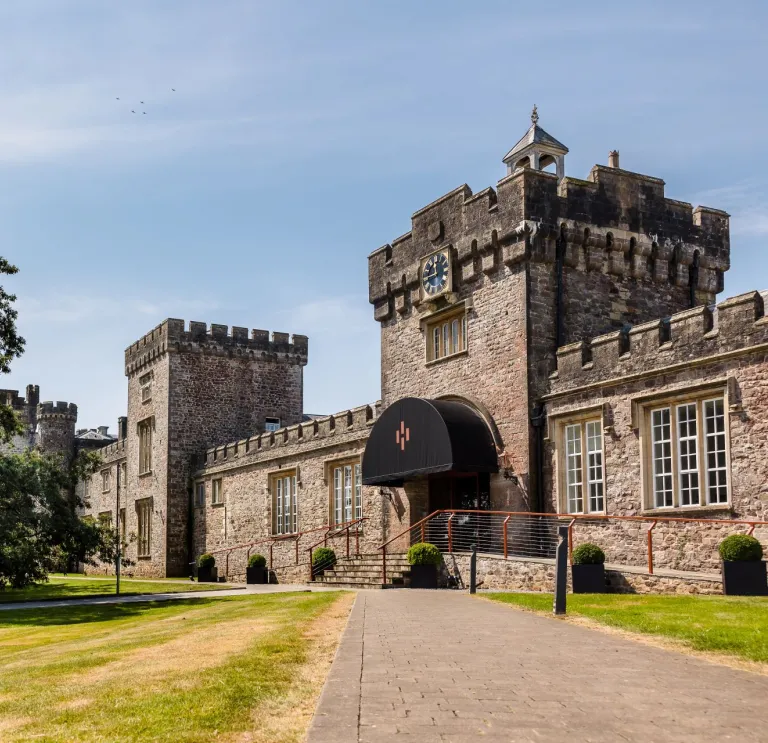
(310, 449)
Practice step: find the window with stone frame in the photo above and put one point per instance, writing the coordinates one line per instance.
(346, 491)
(285, 502)
(105, 519)
(581, 464)
(217, 492)
(686, 454)
(106, 478)
(271, 424)
(446, 335)
(144, 535)
(200, 494)
(145, 445)
(145, 384)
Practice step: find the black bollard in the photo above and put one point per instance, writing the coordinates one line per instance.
(561, 570)
(473, 570)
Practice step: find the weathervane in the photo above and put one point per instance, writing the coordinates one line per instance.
(534, 116)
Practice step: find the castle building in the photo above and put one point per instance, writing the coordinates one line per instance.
(549, 345)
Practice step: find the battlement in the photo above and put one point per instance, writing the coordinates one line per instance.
(686, 337)
(172, 336)
(616, 222)
(14, 400)
(110, 452)
(57, 410)
(312, 432)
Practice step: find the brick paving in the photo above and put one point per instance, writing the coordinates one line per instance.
(443, 666)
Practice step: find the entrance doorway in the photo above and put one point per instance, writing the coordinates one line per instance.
(459, 490)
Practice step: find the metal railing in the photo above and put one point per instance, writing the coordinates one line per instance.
(674, 543)
(341, 531)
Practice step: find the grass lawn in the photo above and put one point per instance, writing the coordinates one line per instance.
(241, 669)
(59, 587)
(719, 624)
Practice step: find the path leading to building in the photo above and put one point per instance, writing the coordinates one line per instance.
(442, 666)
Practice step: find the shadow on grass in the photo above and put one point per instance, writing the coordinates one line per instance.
(48, 591)
(64, 615)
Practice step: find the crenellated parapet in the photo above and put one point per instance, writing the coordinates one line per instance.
(287, 440)
(113, 451)
(172, 336)
(693, 336)
(616, 222)
(57, 410)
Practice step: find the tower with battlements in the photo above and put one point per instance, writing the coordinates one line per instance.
(190, 388)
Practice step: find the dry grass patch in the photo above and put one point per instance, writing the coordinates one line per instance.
(235, 669)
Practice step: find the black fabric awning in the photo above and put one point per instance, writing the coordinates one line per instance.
(414, 436)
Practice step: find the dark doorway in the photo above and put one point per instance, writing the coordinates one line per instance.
(463, 492)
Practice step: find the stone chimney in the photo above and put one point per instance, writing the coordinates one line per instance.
(613, 159)
(103, 430)
(122, 427)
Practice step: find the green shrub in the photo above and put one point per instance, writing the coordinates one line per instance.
(588, 554)
(257, 561)
(323, 558)
(741, 548)
(424, 553)
(206, 560)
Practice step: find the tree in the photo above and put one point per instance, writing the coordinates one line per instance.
(11, 347)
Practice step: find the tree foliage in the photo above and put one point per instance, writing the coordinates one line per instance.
(11, 347)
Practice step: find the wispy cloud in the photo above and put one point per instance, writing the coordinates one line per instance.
(331, 316)
(747, 203)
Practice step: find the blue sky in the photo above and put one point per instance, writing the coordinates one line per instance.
(303, 135)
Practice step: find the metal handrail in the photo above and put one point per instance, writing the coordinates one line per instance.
(332, 534)
(571, 517)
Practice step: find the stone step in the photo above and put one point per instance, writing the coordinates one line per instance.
(361, 571)
(347, 581)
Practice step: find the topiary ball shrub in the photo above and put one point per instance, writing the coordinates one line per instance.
(588, 554)
(424, 553)
(741, 548)
(323, 558)
(257, 561)
(206, 560)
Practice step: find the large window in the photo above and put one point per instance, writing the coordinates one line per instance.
(285, 511)
(688, 465)
(582, 463)
(346, 492)
(144, 515)
(145, 446)
(446, 336)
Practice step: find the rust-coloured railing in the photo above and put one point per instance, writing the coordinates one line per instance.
(534, 535)
(334, 533)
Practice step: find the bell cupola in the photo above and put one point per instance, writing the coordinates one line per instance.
(536, 150)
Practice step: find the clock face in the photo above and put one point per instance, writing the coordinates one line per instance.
(435, 274)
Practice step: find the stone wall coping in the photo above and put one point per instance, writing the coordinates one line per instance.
(690, 338)
(116, 447)
(68, 409)
(312, 434)
(172, 335)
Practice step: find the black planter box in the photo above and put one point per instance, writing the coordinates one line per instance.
(207, 575)
(744, 578)
(423, 576)
(588, 578)
(256, 575)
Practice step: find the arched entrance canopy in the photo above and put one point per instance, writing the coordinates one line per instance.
(415, 437)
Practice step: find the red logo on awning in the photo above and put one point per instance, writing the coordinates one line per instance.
(402, 435)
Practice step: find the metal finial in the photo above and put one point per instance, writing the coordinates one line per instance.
(534, 115)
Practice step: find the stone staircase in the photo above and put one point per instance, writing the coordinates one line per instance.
(364, 571)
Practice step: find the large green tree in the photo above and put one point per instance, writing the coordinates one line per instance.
(39, 525)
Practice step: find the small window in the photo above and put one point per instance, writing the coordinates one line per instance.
(217, 496)
(687, 454)
(582, 467)
(145, 384)
(123, 529)
(145, 446)
(447, 336)
(106, 477)
(200, 494)
(285, 511)
(271, 424)
(346, 493)
(144, 516)
(105, 519)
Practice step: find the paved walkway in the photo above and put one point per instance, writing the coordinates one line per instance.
(441, 666)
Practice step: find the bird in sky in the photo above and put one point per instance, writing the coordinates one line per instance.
(144, 112)
(173, 90)
(133, 112)
(141, 101)
(117, 99)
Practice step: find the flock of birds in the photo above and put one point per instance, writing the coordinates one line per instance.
(133, 111)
